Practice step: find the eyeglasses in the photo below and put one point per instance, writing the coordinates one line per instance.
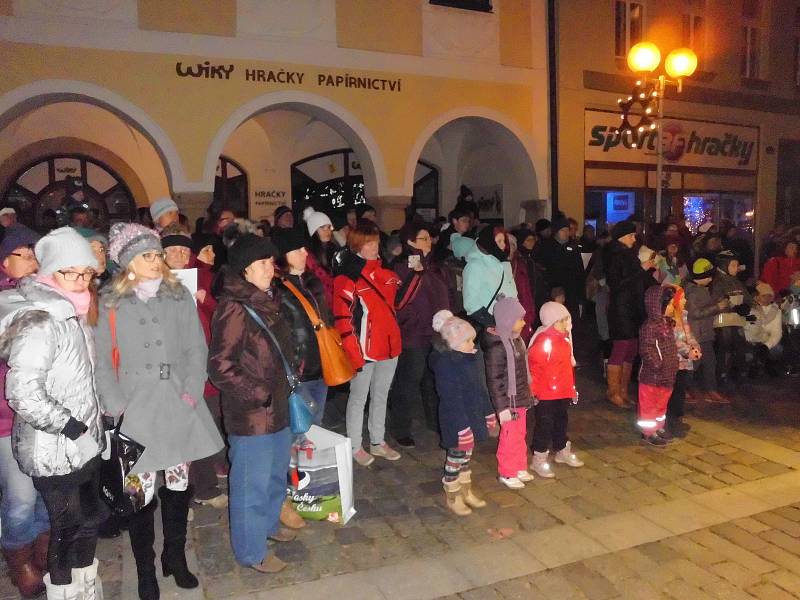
(423, 238)
(74, 275)
(24, 255)
(152, 256)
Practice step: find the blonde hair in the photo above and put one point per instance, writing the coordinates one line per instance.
(123, 283)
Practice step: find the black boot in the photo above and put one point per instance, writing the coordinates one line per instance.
(174, 510)
(141, 528)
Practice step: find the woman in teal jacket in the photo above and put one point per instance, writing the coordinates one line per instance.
(488, 272)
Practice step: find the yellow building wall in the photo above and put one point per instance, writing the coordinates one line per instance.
(191, 110)
(6, 8)
(515, 34)
(380, 25)
(209, 17)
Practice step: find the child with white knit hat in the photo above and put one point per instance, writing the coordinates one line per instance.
(456, 368)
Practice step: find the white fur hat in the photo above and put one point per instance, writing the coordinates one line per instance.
(453, 330)
(61, 248)
(315, 219)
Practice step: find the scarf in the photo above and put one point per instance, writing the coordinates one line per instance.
(79, 300)
(147, 289)
(507, 311)
(488, 244)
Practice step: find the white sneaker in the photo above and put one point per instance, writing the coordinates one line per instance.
(384, 450)
(525, 476)
(540, 465)
(363, 458)
(511, 482)
(565, 456)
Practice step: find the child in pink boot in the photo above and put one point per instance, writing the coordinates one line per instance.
(508, 381)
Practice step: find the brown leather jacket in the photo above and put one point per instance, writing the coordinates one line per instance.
(243, 363)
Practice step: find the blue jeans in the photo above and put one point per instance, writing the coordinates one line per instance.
(319, 392)
(257, 482)
(22, 510)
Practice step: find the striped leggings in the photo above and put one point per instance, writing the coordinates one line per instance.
(457, 461)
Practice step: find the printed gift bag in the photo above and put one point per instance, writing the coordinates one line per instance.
(325, 492)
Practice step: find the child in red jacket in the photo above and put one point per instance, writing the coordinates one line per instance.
(659, 353)
(551, 365)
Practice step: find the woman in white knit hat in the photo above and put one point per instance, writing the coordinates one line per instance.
(57, 438)
(322, 248)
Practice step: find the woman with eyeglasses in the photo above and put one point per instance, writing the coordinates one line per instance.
(423, 293)
(149, 320)
(47, 341)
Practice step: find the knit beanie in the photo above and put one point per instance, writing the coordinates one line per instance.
(559, 223)
(279, 212)
(286, 240)
(128, 240)
(61, 248)
(17, 236)
(247, 249)
(201, 240)
(183, 240)
(723, 259)
(541, 225)
(507, 311)
(645, 254)
(622, 229)
(454, 331)
(315, 219)
(162, 206)
(551, 312)
(364, 208)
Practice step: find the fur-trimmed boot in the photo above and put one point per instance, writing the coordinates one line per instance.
(614, 379)
(470, 499)
(454, 499)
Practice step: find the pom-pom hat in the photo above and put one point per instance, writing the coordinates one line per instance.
(128, 240)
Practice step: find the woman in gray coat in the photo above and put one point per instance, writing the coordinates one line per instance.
(57, 435)
(149, 321)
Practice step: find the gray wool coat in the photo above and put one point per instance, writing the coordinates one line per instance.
(162, 356)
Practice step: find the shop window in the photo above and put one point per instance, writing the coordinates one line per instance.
(43, 192)
(425, 201)
(230, 188)
(604, 208)
(628, 26)
(719, 208)
(750, 53)
(331, 182)
(479, 5)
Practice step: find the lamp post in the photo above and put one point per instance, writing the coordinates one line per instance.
(643, 59)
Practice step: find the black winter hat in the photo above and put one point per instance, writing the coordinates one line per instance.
(248, 249)
(622, 229)
(176, 239)
(724, 258)
(286, 240)
(279, 212)
(541, 225)
(559, 223)
(201, 240)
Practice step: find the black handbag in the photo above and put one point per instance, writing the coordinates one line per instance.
(482, 316)
(118, 487)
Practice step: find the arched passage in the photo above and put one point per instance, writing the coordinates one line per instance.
(485, 152)
(18, 103)
(270, 134)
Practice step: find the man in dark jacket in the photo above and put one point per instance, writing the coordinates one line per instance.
(627, 281)
(563, 265)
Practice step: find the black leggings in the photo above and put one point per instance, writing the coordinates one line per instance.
(678, 397)
(730, 352)
(76, 511)
(551, 425)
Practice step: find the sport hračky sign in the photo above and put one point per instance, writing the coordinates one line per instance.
(686, 143)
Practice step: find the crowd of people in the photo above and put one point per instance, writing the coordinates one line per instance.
(468, 323)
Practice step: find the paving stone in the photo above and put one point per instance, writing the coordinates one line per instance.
(776, 521)
(733, 552)
(785, 579)
(779, 538)
(743, 471)
(610, 567)
(484, 593)
(751, 525)
(739, 536)
(735, 574)
(746, 458)
(771, 468)
(713, 458)
(552, 584)
(520, 588)
(593, 585)
(506, 499)
(769, 591)
(623, 530)
(350, 535)
(681, 590)
(727, 591)
(789, 512)
(660, 552)
(723, 449)
(691, 573)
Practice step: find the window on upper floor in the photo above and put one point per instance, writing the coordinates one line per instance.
(694, 34)
(479, 5)
(750, 66)
(628, 26)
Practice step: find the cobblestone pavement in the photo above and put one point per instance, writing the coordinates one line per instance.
(716, 515)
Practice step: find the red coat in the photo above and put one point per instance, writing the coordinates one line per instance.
(550, 365)
(205, 309)
(363, 311)
(778, 270)
(524, 295)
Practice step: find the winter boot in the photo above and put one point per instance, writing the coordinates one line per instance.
(454, 499)
(540, 465)
(289, 516)
(174, 510)
(654, 440)
(625, 383)
(677, 427)
(40, 549)
(71, 591)
(23, 573)
(143, 535)
(470, 499)
(88, 578)
(614, 378)
(566, 457)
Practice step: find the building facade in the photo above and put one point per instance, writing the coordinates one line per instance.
(257, 103)
(731, 137)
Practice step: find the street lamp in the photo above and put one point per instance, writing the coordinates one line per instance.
(643, 59)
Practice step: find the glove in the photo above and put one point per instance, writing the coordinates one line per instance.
(87, 447)
(187, 398)
(742, 310)
(504, 415)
